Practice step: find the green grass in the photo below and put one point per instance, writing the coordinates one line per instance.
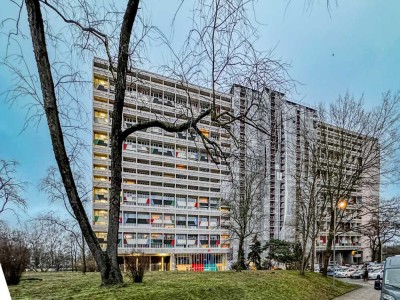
(183, 285)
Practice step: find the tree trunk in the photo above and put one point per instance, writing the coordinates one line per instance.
(303, 263)
(109, 274)
(116, 138)
(83, 256)
(373, 254)
(72, 259)
(240, 260)
(379, 251)
(328, 250)
(312, 254)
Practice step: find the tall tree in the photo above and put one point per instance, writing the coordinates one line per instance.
(288, 253)
(218, 52)
(357, 151)
(382, 227)
(255, 252)
(245, 202)
(310, 205)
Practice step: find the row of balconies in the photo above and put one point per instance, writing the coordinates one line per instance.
(180, 138)
(147, 187)
(144, 197)
(104, 123)
(322, 246)
(145, 153)
(141, 114)
(133, 218)
(147, 231)
(158, 185)
(103, 204)
(160, 139)
(162, 110)
(339, 233)
(177, 169)
(167, 240)
(160, 88)
(167, 95)
(164, 179)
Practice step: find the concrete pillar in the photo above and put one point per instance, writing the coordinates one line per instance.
(172, 263)
(162, 263)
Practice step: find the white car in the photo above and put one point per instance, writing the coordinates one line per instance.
(344, 272)
(374, 274)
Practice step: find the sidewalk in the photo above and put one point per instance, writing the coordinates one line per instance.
(366, 292)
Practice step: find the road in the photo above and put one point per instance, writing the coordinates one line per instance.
(366, 292)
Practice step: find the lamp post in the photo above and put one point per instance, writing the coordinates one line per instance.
(341, 205)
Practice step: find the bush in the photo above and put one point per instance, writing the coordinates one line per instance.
(90, 264)
(14, 255)
(235, 266)
(137, 266)
(266, 264)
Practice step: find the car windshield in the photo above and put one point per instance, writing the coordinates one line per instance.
(392, 277)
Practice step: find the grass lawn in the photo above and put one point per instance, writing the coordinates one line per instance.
(183, 285)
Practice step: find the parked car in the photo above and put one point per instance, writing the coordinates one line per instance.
(332, 271)
(374, 274)
(390, 287)
(317, 269)
(358, 274)
(345, 273)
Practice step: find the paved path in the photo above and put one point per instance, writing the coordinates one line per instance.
(366, 292)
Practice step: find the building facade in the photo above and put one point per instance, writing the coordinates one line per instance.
(351, 246)
(284, 153)
(278, 150)
(171, 191)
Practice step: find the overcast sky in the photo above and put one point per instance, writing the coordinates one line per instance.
(355, 48)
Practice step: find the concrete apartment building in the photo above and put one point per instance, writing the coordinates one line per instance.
(171, 191)
(277, 153)
(282, 154)
(350, 244)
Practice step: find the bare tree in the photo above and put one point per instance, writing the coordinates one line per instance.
(310, 205)
(245, 203)
(11, 188)
(53, 186)
(47, 244)
(218, 51)
(54, 243)
(357, 152)
(383, 226)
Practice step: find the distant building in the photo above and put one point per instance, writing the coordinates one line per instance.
(350, 244)
(281, 152)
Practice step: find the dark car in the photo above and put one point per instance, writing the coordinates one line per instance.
(390, 287)
(358, 274)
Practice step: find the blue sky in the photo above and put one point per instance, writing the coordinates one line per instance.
(355, 48)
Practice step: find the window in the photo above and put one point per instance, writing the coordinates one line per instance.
(156, 149)
(169, 150)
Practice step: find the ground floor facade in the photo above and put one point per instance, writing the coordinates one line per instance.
(192, 261)
(350, 256)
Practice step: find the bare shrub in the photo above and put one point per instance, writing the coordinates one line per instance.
(14, 255)
(137, 266)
